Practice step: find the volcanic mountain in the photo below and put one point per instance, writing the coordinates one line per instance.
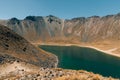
(19, 59)
(101, 32)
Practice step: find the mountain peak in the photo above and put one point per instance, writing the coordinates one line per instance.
(14, 21)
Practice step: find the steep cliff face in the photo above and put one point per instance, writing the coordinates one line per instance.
(15, 48)
(94, 28)
(38, 28)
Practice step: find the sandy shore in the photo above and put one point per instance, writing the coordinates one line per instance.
(104, 51)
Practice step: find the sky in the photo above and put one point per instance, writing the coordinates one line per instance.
(65, 9)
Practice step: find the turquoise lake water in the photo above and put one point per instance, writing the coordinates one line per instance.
(73, 57)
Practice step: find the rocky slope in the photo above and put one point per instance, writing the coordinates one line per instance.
(15, 48)
(51, 28)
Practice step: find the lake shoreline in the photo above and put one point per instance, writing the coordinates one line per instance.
(85, 57)
(92, 47)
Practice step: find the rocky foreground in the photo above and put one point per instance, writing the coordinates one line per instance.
(53, 74)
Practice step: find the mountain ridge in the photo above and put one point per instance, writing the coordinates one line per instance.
(51, 28)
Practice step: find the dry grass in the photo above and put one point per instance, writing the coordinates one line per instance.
(83, 77)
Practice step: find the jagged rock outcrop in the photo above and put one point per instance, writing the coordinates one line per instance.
(15, 48)
(36, 28)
